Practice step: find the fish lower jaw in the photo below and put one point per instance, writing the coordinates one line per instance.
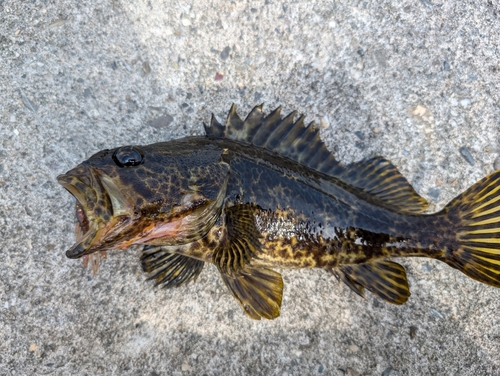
(99, 237)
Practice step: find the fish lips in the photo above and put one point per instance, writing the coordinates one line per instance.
(100, 205)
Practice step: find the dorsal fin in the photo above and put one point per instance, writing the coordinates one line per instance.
(283, 136)
(288, 138)
(379, 177)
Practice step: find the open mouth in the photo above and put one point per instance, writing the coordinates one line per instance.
(101, 211)
(81, 229)
(81, 182)
(82, 226)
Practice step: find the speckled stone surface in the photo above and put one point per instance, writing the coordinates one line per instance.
(414, 81)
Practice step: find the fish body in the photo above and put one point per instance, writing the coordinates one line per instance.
(265, 192)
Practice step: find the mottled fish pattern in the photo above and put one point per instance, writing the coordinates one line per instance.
(255, 194)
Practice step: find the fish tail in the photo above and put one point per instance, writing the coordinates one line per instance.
(475, 216)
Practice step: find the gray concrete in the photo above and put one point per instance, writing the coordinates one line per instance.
(415, 81)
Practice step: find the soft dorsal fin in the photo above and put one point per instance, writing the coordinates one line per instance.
(288, 138)
(379, 177)
(283, 136)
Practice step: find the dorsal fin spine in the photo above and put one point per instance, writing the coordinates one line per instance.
(286, 125)
(233, 120)
(252, 123)
(321, 154)
(265, 132)
(295, 133)
(315, 143)
(273, 120)
(299, 131)
(216, 129)
(304, 142)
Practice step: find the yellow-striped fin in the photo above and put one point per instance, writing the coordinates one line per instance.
(169, 269)
(258, 290)
(379, 177)
(385, 279)
(476, 218)
(242, 239)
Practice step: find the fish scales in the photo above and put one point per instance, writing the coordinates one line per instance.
(264, 193)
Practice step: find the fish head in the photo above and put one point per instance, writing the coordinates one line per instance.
(160, 194)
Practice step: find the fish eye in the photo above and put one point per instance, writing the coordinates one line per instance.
(128, 156)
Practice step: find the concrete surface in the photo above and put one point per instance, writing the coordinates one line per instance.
(415, 81)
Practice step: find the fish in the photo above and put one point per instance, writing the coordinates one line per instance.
(263, 193)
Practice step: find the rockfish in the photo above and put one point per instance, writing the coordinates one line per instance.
(265, 192)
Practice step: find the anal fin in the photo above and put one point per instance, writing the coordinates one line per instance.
(258, 290)
(385, 279)
(169, 269)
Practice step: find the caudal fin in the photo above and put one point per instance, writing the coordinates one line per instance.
(475, 216)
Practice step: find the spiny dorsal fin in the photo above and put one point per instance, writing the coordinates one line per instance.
(379, 177)
(283, 136)
(383, 278)
(169, 269)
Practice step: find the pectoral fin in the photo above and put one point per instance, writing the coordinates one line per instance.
(169, 269)
(242, 239)
(258, 290)
(385, 279)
